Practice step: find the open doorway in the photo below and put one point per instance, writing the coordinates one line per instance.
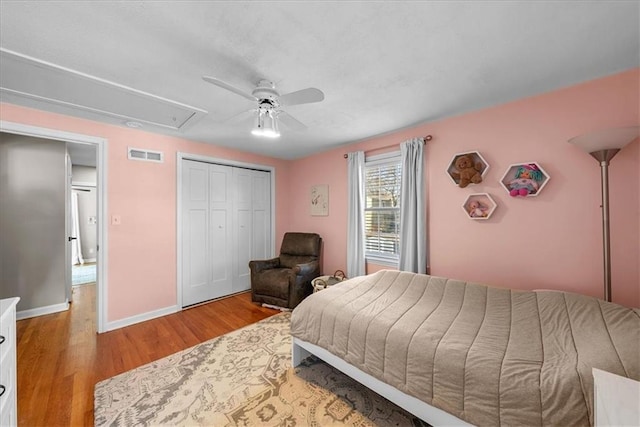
(22, 269)
(83, 214)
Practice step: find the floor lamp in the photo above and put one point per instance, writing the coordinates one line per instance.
(603, 146)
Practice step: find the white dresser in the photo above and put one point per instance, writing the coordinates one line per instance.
(616, 400)
(8, 377)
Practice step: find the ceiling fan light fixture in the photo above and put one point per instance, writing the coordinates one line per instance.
(266, 124)
(269, 102)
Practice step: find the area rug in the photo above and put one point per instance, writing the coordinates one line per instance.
(243, 378)
(81, 274)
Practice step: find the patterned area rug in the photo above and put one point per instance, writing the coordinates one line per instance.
(243, 378)
(81, 274)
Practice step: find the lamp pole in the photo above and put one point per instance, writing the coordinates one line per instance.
(603, 145)
(603, 156)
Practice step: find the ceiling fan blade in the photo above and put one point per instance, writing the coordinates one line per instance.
(229, 87)
(289, 121)
(304, 96)
(241, 117)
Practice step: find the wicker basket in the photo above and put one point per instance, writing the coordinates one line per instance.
(323, 282)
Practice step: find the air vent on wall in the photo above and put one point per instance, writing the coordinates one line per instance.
(145, 155)
(38, 84)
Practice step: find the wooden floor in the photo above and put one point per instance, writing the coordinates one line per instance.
(61, 357)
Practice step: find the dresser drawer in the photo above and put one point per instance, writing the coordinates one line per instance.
(8, 376)
(8, 416)
(7, 379)
(6, 335)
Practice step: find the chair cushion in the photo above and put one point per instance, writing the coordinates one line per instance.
(300, 244)
(290, 261)
(273, 282)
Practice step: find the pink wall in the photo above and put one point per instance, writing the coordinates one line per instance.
(550, 241)
(142, 250)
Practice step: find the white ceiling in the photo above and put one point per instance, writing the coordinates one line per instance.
(382, 66)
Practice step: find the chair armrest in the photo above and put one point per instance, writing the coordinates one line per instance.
(306, 269)
(257, 266)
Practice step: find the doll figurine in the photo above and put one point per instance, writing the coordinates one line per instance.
(476, 209)
(527, 181)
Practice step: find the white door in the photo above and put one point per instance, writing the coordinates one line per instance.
(220, 230)
(68, 224)
(243, 239)
(226, 222)
(195, 210)
(252, 215)
(261, 209)
(196, 271)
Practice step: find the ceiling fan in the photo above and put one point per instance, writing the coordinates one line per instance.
(268, 111)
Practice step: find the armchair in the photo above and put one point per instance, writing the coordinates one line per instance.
(286, 280)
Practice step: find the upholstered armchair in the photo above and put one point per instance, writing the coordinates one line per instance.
(286, 280)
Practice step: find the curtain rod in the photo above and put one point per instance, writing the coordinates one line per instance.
(426, 138)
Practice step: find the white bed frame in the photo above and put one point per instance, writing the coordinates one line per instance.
(300, 350)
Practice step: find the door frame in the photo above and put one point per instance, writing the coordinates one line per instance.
(101, 189)
(218, 161)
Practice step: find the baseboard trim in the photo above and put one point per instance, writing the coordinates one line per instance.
(41, 311)
(128, 321)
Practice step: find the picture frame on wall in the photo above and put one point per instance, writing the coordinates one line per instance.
(320, 200)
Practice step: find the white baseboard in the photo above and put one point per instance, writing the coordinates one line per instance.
(110, 326)
(41, 311)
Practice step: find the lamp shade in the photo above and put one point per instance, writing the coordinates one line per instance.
(606, 139)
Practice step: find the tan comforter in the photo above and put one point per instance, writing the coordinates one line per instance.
(489, 356)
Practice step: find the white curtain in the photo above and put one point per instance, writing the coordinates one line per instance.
(76, 247)
(355, 225)
(413, 234)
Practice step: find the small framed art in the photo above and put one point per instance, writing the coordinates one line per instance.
(320, 200)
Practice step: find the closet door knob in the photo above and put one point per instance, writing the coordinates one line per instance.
(2, 338)
(2, 390)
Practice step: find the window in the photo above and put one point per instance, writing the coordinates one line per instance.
(382, 208)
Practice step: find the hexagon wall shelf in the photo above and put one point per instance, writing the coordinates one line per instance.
(477, 158)
(524, 179)
(479, 206)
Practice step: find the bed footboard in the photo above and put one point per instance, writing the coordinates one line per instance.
(436, 417)
(298, 353)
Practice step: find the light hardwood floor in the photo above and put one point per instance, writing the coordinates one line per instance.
(61, 357)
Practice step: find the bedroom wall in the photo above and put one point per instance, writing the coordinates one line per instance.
(142, 250)
(551, 241)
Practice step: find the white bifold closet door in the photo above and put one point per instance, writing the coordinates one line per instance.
(226, 222)
(252, 222)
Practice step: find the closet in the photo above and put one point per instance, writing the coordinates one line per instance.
(226, 222)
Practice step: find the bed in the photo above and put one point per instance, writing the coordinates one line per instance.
(453, 352)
